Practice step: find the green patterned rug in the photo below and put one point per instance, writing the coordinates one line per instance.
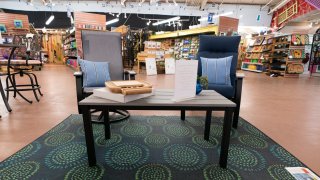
(150, 147)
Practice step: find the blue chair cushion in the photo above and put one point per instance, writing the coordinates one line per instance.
(95, 74)
(217, 70)
(225, 90)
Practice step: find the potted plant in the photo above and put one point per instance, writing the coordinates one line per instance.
(202, 83)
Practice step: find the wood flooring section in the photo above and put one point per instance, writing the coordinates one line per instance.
(286, 109)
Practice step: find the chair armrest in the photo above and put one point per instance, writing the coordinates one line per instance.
(240, 75)
(129, 75)
(78, 74)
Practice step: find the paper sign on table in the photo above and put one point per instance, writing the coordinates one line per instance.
(185, 79)
(151, 66)
(169, 65)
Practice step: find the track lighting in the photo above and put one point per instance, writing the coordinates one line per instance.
(166, 21)
(112, 21)
(50, 20)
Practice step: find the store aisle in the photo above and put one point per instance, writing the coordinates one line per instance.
(285, 109)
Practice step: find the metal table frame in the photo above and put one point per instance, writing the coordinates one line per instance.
(127, 106)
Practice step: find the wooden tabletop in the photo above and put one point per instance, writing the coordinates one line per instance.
(164, 98)
(10, 45)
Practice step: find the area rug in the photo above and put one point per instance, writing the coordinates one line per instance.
(150, 147)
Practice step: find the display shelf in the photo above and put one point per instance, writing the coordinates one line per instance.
(252, 63)
(73, 40)
(20, 29)
(245, 69)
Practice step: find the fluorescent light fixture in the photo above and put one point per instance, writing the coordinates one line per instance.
(50, 20)
(215, 16)
(112, 21)
(166, 21)
(278, 6)
(71, 19)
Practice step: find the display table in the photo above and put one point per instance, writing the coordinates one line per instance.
(208, 101)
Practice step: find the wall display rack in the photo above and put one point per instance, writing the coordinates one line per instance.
(258, 48)
(287, 54)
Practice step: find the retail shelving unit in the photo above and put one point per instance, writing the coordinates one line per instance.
(70, 49)
(184, 43)
(314, 65)
(254, 59)
(287, 54)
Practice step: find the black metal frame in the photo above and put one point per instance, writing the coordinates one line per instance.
(127, 75)
(11, 77)
(225, 140)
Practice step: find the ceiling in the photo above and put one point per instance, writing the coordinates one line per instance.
(187, 2)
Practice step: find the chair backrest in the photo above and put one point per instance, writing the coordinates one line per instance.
(102, 46)
(218, 47)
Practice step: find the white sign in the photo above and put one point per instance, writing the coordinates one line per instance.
(169, 65)
(185, 79)
(151, 66)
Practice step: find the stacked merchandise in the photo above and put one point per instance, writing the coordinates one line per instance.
(287, 54)
(186, 47)
(257, 49)
(70, 50)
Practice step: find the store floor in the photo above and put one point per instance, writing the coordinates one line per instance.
(286, 109)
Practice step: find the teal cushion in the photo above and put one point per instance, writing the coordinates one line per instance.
(217, 70)
(95, 74)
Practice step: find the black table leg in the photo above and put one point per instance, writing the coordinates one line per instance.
(225, 138)
(106, 122)
(4, 98)
(89, 135)
(183, 115)
(207, 125)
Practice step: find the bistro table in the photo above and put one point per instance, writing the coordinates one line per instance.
(207, 101)
(13, 48)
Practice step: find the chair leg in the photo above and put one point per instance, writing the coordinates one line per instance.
(37, 84)
(33, 87)
(14, 84)
(183, 115)
(7, 87)
(4, 98)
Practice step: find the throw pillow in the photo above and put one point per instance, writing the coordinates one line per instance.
(217, 70)
(95, 74)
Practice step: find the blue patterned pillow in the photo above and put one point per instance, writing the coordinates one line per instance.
(95, 74)
(217, 70)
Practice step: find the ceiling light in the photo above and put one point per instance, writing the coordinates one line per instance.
(278, 6)
(118, 15)
(125, 15)
(148, 23)
(166, 21)
(112, 21)
(179, 24)
(50, 20)
(71, 19)
(169, 24)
